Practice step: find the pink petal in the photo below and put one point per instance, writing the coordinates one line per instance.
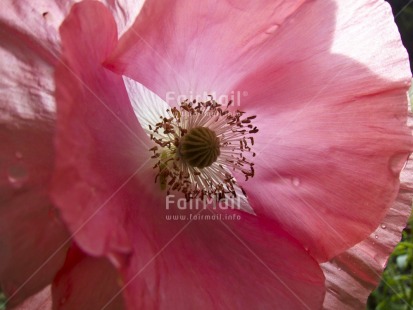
(333, 132)
(37, 22)
(99, 141)
(124, 12)
(33, 242)
(34, 22)
(247, 263)
(351, 276)
(327, 81)
(185, 47)
(32, 238)
(85, 282)
(42, 300)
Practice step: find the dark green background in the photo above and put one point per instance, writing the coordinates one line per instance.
(403, 12)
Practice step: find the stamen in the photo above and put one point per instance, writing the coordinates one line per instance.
(197, 147)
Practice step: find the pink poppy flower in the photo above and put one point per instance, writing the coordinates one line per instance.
(330, 105)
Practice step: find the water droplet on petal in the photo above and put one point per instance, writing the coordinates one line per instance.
(339, 269)
(17, 176)
(383, 226)
(272, 29)
(119, 259)
(296, 181)
(397, 163)
(18, 155)
(376, 237)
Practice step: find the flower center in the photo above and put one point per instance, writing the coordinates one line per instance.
(197, 147)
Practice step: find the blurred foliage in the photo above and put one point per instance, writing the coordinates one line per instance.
(2, 301)
(395, 290)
